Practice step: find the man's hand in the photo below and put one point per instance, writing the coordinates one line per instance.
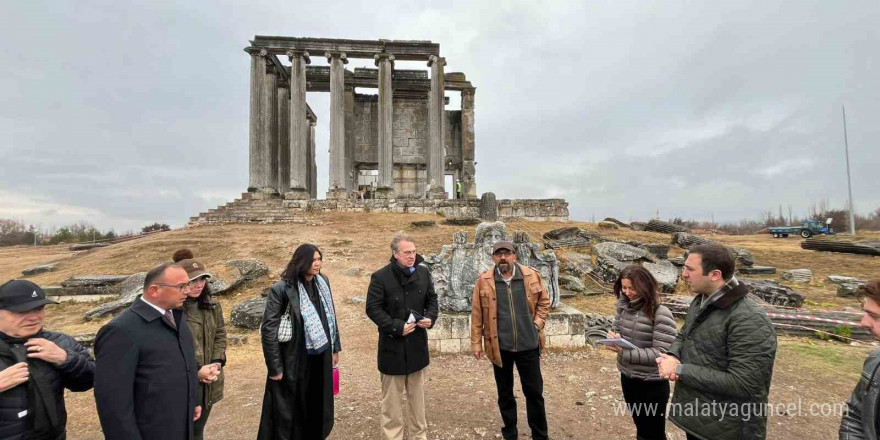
(478, 353)
(409, 328)
(424, 323)
(666, 365)
(46, 350)
(209, 373)
(277, 377)
(13, 376)
(335, 359)
(198, 413)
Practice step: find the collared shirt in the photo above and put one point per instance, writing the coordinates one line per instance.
(158, 309)
(727, 287)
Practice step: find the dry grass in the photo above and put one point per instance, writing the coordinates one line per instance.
(461, 397)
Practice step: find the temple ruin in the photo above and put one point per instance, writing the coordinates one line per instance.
(396, 151)
(399, 143)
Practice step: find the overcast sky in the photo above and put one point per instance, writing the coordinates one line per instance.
(127, 113)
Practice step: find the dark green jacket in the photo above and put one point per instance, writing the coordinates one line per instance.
(209, 338)
(727, 352)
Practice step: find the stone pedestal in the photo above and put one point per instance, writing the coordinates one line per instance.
(337, 194)
(565, 328)
(384, 193)
(437, 193)
(296, 194)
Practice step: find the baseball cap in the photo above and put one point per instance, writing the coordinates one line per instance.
(194, 269)
(21, 296)
(503, 245)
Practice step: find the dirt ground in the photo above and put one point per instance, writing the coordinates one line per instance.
(581, 387)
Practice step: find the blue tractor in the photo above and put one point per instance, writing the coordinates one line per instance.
(807, 230)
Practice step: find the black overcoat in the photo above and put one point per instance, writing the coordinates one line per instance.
(390, 300)
(281, 399)
(146, 384)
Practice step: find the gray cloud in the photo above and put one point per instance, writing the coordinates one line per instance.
(132, 112)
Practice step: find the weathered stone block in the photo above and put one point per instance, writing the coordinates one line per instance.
(450, 346)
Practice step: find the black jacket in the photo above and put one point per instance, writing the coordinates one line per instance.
(281, 408)
(390, 299)
(859, 421)
(76, 374)
(145, 381)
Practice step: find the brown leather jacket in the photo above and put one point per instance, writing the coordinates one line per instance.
(484, 314)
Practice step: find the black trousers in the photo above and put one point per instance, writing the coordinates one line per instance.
(643, 396)
(528, 364)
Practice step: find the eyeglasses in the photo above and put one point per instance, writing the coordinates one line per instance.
(179, 287)
(504, 253)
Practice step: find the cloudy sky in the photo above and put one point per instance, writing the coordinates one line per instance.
(127, 113)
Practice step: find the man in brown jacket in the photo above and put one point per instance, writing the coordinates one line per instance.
(510, 306)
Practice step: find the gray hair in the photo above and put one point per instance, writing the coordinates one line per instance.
(397, 238)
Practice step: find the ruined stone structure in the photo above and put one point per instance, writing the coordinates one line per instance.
(404, 133)
(389, 152)
(456, 268)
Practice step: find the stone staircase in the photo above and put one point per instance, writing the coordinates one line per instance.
(250, 208)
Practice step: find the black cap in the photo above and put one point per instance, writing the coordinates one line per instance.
(21, 296)
(503, 245)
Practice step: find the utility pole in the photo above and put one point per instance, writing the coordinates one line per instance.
(852, 221)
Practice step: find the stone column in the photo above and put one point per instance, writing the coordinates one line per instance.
(264, 167)
(350, 169)
(338, 178)
(256, 156)
(385, 187)
(283, 137)
(437, 129)
(313, 165)
(299, 127)
(468, 171)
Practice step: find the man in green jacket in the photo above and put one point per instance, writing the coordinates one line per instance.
(722, 359)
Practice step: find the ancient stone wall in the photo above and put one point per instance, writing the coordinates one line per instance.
(255, 208)
(409, 140)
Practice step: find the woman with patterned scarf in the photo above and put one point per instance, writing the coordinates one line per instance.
(301, 347)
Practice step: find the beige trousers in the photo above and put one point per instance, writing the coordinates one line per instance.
(395, 390)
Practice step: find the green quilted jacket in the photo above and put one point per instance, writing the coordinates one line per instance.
(727, 352)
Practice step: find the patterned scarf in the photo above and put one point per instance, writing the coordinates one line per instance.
(316, 338)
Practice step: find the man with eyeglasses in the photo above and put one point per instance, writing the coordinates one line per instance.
(402, 303)
(510, 307)
(145, 379)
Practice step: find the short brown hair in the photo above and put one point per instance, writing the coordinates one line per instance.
(715, 257)
(157, 273)
(870, 289)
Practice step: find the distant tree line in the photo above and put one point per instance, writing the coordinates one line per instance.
(15, 232)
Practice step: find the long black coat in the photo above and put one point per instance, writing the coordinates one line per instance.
(281, 398)
(146, 376)
(390, 299)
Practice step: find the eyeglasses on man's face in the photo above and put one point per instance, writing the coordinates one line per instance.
(182, 287)
(504, 253)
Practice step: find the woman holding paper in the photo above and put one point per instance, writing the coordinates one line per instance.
(644, 322)
(301, 347)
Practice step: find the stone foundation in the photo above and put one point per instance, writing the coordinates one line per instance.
(262, 208)
(452, 333)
